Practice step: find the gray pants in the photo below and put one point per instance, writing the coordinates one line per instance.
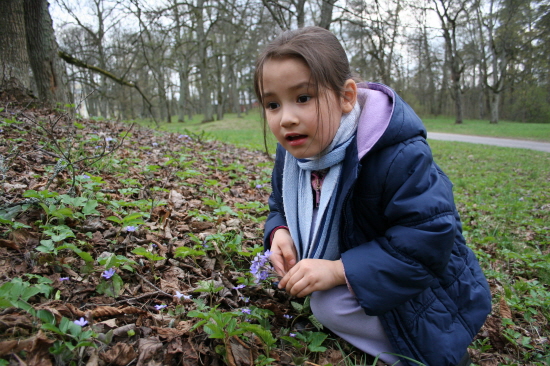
(338, 310)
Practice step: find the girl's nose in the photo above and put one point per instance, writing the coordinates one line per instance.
(289, 117)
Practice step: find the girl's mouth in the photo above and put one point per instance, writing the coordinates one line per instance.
(294, 140)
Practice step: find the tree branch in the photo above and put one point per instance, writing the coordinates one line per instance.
(74, 61)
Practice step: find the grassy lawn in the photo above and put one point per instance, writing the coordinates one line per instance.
(246, 131)
(507, 129)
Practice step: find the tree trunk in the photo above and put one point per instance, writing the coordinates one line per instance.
(14, 60)
(326, 13)
(458, 102)
(48, 71)
(184, 89)
(495, 102)
(206, 91)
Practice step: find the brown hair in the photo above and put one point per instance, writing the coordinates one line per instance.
(319, 49)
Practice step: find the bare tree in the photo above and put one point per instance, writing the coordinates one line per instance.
(283, 12)
(451, 14)
(375, 29)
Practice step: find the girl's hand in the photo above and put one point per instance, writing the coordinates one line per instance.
(313, 275)
(283, 253)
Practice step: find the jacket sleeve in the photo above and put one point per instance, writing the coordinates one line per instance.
(276, 215)
(419, 212)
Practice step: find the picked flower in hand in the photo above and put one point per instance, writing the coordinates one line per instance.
(260, 268)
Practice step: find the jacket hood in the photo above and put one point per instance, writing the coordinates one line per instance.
(385, 119)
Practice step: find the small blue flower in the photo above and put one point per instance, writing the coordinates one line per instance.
(160, 307)
(108, 273)
(239, 287)
(287, 316)
(109, 139)
(130, 228)
(64, 278)
(260, 267)
(155, 144)
(259, 186)
(245, 299)
(246, 311)
(82, 322)
(292, 335)
(179, 295)
(84, 176)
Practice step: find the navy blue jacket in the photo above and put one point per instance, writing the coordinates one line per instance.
(401, 241)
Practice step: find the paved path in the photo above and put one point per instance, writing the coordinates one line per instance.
(521, 144)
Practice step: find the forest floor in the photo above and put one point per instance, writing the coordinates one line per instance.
(120, 245)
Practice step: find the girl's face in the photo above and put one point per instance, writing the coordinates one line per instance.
(303, 122)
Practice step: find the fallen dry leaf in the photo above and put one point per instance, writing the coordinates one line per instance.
(505, 312)
(148, 348)
(120, 354)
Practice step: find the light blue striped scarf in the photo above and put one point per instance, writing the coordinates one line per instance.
(321, 240)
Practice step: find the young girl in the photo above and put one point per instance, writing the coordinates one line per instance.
(361, 216)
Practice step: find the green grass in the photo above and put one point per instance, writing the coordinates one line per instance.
(525, 131)
(246, 131)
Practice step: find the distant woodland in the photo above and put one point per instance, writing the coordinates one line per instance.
(173, 59)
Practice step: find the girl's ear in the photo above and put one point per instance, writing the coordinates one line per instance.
(349, 96)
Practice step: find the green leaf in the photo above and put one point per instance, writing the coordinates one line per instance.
(45, 316)
(29, 292)
(183, 252)
(89, 208)
(151, 256)
(114, 219)
(293, 341)
(214, 331)
(52, 328)
(315, 322)
(297, 306)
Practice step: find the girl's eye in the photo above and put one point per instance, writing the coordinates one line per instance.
(303, 98)
(272, 105)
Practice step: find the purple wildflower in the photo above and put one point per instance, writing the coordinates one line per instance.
(84, 176)
(287, 316)
(246, 311)
(160, 307)
(155, 144)
(130, 228)
(238, 287)
(64, 278)
(108, 273)
(109, 139)
(82, 322)
(260, 186)
(179, 295)
(260, 267)
(292, 335)
(245, 299)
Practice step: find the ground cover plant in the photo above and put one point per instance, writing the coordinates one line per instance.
(124, 245)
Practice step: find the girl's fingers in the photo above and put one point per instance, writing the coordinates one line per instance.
(289, 255)
(277, 261)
